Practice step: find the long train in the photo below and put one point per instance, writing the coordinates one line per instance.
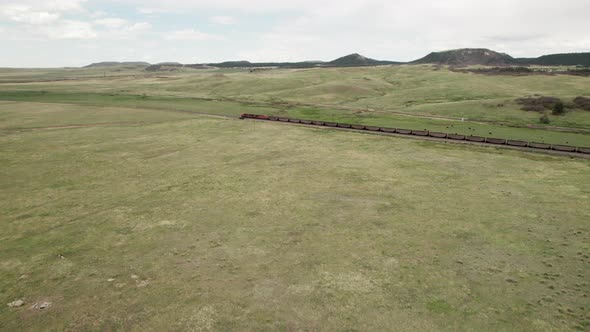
(479, 139)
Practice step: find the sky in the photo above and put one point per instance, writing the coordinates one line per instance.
(59, 33)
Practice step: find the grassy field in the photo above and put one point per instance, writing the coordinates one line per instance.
(16, 75)
(234, 108)
(153, 218)
(413, 97)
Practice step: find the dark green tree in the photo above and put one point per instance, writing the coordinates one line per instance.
(558, 109)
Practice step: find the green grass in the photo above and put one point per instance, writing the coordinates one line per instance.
(12, 75)
(18, 115)
(441, 125)
(397, 96)
(415, 90)
(135, 101)
(105, 103)
(244, 225)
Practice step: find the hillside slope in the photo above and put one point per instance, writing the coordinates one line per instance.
(560, 59)
(467, 57)
(356, 59)
(115, 63)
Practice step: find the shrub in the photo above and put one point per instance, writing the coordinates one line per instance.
(545, 118)
(533, 108)
(558, 109)
(538, 104)
(582, 102)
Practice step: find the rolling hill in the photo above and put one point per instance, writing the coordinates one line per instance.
(560, 59)
(115, 63)
(467, 57)
(458, 57)
(355, 59)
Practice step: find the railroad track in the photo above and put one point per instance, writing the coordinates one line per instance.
(578, 151)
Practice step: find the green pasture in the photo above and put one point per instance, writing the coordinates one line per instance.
(413, 90)
(146, 219)
(109, 103)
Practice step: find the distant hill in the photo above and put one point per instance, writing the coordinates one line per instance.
(561, 59)
(355, 59)
(248, 64)
(174, 64)
(165, 66)
(458, 58)
(351, 60)
(227, 64)
(467, 57)
(198, 66)
(114, 63)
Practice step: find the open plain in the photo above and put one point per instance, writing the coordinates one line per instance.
(138, 201)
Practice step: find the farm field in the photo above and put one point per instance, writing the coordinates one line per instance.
(128, 212)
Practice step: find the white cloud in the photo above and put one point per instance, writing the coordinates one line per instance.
(38, 12)
(157, 6)
(98, 13)
(25, 14)
(36, 17)
(70, 30)
(190, 34)
(57, 5)
(223, 20)
(146, 11)
(395, 30)
(136, 27)
(44, 18)
(112, 23)
(292, 30)
(116, 29)
(53, 7)
(159, 10)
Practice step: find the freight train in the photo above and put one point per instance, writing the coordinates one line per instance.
(479, 139)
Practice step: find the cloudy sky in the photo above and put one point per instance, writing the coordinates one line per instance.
(53, 33)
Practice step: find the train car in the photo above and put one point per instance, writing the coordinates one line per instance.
(318, 123)
(437, 135)
(344, 125)
(330, 124)
(284, 119)
(540, 145)
(403, 131)
(456, 137)
(565, 148)
(273, 118)
(388, 130)
(247, 116)
(305, 121)
(420, 132)
(583, 150)
(495, 140)
(517, 143)
(295, 120)
(372, 128)
(475, 138)
(358, 127)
